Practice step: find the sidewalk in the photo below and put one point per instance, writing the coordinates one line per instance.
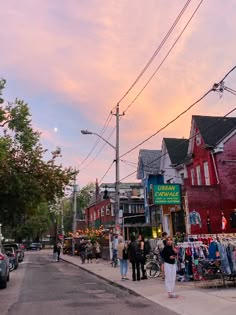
(192, 299)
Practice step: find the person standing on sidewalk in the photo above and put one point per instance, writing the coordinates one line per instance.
(158, 250)
(114, 251)
(82, 250)
(133, 257)
(58, 251)
(97, 248)
(55, 252)
(89, 249)
(142, 256)
(123, 258)
(169, 257)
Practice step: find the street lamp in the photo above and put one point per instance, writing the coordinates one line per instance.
(117, 185)
(86, 132)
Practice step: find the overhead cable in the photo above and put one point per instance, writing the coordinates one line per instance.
(157, 50)
(166, 56)
(167, 152)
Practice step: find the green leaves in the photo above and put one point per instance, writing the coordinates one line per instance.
(27, 180)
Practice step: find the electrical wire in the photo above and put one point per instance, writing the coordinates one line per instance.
(168, 124)
(204, 130)
(101, 149)
(166, 56)
(105, 126)
(230, 90)
(157, 50)
(106, 172)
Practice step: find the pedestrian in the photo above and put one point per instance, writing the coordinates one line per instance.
(133, 257)
(89, 250)
(114, 250)
(58, 251)
(123, 258)
(142, 256)
(158, 250)
(82, 250)
(169, 256)
(97, 248)
(55, 252)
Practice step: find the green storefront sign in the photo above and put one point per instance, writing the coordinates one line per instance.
(167, 194)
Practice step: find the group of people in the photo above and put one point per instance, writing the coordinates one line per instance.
(136, 251)
(87, 250)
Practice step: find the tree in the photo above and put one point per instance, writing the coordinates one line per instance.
(27, 180)
(83, 199)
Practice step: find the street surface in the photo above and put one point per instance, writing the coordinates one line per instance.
(41, 286)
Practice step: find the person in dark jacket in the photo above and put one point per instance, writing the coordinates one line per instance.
(133, 257)
(142, 255)
(169, 257)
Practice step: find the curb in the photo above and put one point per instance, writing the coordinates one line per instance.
(115, 284)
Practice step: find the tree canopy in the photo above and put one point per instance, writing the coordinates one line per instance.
(27, 179)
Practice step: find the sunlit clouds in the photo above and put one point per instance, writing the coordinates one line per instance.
(73, 60)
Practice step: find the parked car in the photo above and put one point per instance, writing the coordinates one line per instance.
(4, 268)
(19, 251)
(35, 246)
(13, 257)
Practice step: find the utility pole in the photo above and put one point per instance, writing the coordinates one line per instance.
(117, 160)
(75, 190)
(117, 185)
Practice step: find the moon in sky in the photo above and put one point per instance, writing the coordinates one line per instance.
(55, 129)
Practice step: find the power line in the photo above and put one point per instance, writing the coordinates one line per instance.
(230, 90)
(166, 56)
(214, 88)
(137, 79)
(205, 129)
(157, 50)
(106, 124)
(168, 124)
(101, 149)
(106, 172)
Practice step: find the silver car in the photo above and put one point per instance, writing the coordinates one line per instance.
(4, 268)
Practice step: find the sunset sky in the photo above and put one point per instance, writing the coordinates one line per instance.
(72, 60)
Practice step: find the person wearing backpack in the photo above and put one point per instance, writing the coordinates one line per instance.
(123, 258)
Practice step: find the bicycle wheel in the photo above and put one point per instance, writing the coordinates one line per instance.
(153, 269)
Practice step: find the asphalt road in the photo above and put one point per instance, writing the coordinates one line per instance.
(41, 286)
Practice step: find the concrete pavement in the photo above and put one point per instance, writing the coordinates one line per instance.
(194, 298)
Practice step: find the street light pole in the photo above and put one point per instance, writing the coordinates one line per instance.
(117, 160)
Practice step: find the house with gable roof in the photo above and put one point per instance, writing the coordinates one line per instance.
(210, 189)
(174, 152)
(149, 173)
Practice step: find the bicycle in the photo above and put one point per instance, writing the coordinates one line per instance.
(153, 266)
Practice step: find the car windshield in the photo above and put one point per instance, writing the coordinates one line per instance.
(9, 249)
(11, 245)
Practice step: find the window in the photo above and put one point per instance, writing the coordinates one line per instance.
(192, 177)
(98, 214)
(198, 138)
(108, 210)
(206, 173)
(199, 178)
(102, 212)
(94, 215)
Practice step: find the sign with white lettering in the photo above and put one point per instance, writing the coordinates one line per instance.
(167, 194)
